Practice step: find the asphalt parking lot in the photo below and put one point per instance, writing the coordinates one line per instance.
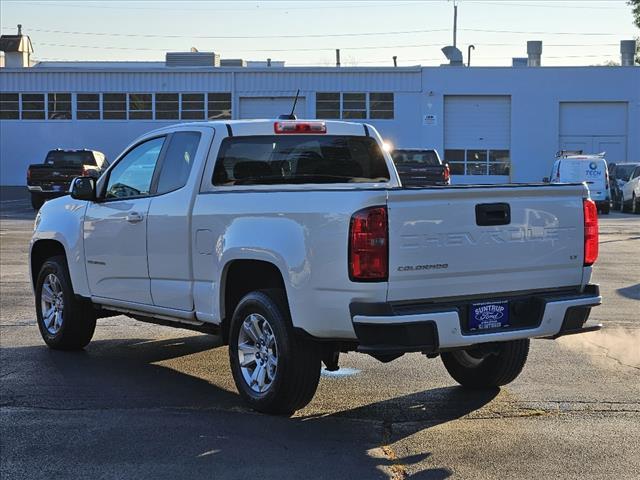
(144, 401)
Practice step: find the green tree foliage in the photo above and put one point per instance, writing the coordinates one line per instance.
(635, 10)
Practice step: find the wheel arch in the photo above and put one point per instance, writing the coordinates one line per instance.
(41, 251)
(242, 276)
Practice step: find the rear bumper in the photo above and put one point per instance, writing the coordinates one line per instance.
(37, 189)
(385, 329)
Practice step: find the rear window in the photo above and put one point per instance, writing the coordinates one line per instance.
(298, 159)
(69, 159)
(424, 157)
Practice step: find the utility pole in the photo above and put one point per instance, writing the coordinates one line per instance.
(455, 22)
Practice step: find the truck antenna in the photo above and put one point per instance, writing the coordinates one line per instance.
(291, 116)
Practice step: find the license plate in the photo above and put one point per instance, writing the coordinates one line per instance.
(57, 188)
(489, 315)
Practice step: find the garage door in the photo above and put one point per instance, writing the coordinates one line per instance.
(270, 107)
(477, 137)
(594, 127)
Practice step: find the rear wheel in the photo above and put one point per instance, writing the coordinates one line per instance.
(635, 205)
(481, 368)
(605, 208)
(65, 322)
(623, 205)
(36, 201)
(274, 370)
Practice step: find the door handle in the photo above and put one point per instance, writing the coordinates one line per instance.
(134, 217)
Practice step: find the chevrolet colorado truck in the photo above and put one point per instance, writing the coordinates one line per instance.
(53, 177)
(294, 240)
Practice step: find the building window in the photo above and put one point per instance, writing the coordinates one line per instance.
(140, 106)
(218, 106)
(381, 106)
(59, 106)
(499, 162)
(354, 105)
(167, 106)
(9, 106)
(328, 105)
(88, 106)
(478, 162)
(33, 106)
(455, 159)
(114, 106)
(192, 106)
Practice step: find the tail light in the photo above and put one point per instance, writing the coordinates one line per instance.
(299, 127)
(446, 173)
(590, 232)
(28, 174)
(368, 245)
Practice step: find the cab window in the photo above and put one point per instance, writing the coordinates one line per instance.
(178, 161)
(133, 174)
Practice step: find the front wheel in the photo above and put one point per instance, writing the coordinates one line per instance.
(487, 368)
(65, 322)
(274, 370)
(635, 205)
(605, 208)
(624, 207)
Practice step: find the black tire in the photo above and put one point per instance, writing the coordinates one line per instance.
(635, 205)
(298, 359)
(606, 208)
(495, 369)
(78, 317)
(36, 201)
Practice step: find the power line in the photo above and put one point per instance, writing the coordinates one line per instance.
(317, 35)
(286, 50)
(257, 7)
(231, 37)
(536, 33)
(548, 5)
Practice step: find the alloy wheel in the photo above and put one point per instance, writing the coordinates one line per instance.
(52, 303)
(257, 353)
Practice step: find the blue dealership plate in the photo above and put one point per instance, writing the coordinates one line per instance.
(489, 315)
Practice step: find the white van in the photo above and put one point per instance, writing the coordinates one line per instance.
(571, 167)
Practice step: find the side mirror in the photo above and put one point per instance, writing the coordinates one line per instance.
(83, 188)
(545, 179)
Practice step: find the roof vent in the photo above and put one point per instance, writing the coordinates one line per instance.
(454, 55)
(534, 52)
(192, 59)
(627, 52)
(519, 62)
(233, 62)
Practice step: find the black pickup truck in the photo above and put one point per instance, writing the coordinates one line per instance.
(53, 177)
(420, 167)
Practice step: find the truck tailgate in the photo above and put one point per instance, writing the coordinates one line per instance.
(444, 242)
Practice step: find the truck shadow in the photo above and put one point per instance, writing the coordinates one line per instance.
(632, 291)
(139, 403)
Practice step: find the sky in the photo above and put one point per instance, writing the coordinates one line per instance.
(368, 33)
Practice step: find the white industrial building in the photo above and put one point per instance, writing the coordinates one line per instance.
(491, 124)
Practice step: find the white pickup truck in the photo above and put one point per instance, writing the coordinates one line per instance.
(294, 240)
